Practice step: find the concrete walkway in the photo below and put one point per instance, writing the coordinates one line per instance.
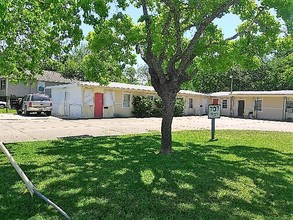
(15, 128)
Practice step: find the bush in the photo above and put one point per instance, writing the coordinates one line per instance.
(157, 109)
(142, 106)
(178, 109)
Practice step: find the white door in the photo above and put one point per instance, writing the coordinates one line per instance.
(109, 100)
(204, 106)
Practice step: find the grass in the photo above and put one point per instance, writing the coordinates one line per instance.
(243, 175)
(3, 111)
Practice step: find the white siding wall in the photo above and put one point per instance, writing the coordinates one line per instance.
(67, 102)
(88, 105)
(58, 101)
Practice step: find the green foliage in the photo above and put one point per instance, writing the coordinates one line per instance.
(33, 31)
(129, 73)
(73, 64)
(274, 73)
(158, 106)
(143, 75)
(178, 108)
(243, 175)
(145, 107)
(142, 106)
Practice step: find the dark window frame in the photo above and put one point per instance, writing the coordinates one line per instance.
(258, 105)
(190, 103)
(224, 104)
(3, 84)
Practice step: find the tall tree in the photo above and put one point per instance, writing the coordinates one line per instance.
(143, 75)
(73, 64)
(274, 73)
(130, 76)
(33, 31)
(176, 38)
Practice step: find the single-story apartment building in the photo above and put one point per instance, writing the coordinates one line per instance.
(92, 100)
(271, 105)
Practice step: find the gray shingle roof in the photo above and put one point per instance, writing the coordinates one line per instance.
(52, 76)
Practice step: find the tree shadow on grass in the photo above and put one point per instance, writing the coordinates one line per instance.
(124, 178)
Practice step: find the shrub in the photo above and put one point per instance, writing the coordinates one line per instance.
(157, 109)
(178, 109)
(142, 106)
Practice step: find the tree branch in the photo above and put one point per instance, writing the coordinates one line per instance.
(164, 32)
(187, 54)
(148, 26)
(176, 18)
(260, 10)
(156, 70)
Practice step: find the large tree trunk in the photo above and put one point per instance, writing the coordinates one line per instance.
(166, 127)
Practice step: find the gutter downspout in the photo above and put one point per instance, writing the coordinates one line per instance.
(6, 94)
(255, 109)
(231, 105)
(285, 108)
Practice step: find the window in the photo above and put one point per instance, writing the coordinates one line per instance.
(126, 100)
(224, 104)
(258, 105)
(41, 86)
(3, 84)
(190, 103)
(289, 106)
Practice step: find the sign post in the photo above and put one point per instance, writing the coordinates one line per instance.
(214, 112)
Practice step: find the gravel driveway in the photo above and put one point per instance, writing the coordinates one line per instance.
(15, 128)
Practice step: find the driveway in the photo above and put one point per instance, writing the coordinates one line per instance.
(15, 128)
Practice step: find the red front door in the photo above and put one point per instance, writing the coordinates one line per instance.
(215, 101)
(98, 105)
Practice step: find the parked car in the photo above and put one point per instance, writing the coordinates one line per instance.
(2, 104)
(35, 102)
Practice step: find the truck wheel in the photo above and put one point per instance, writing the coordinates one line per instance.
(48, 113)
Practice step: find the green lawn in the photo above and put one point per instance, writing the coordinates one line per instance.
(243, 175)
(3, 111)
